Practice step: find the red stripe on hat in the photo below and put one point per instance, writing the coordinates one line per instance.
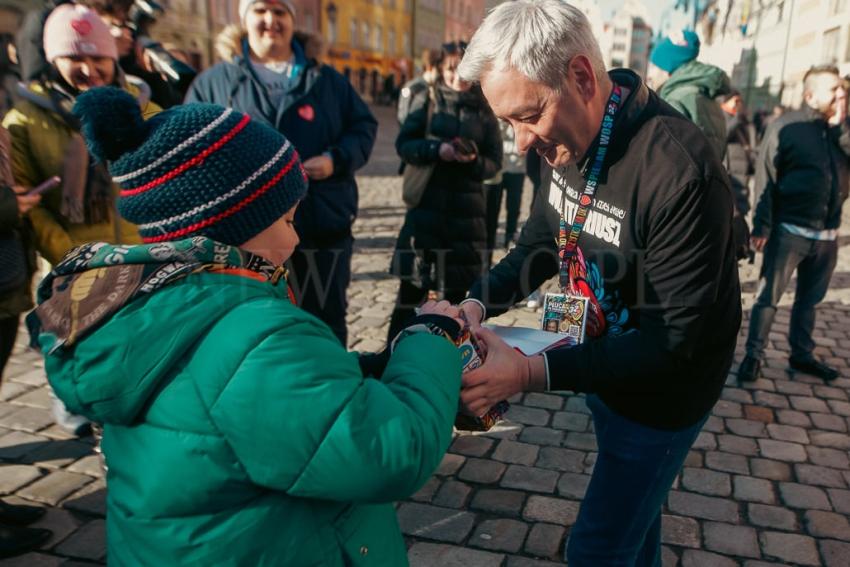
(197, 160)
(224, 214)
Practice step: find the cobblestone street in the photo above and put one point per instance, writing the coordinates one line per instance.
(767, 482)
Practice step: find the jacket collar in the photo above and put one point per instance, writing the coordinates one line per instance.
(812, 114)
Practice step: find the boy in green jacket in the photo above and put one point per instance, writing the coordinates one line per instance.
(237, 430)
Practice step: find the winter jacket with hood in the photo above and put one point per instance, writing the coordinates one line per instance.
(323, 113)
(451, 216)
(802, 173)
(660, 261)
(691, 89)
(237, 430)
(40, 143)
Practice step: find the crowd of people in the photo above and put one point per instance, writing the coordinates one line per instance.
(168, 205)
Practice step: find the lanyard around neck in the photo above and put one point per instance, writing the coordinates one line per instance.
(568, 242)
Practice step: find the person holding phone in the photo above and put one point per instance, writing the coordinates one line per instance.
(46, 142)
(443, 244)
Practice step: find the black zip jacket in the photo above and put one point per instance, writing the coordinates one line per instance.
(802, 173)
(660, 260)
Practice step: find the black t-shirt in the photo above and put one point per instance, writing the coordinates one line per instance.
(660, 260)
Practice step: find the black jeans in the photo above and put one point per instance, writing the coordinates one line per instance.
(8, 334)
(814, 261)
(320, 276)
(511, 185)
(409, 298)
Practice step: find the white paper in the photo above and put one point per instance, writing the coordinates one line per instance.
(528, 341)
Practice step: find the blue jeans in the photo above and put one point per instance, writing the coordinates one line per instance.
(619, 523)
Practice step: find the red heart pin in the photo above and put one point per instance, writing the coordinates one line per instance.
(82, 27)
(307, 113)
(585, 200)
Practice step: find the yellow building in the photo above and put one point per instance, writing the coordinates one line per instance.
(369, 41)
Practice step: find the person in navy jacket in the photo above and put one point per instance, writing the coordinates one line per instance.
(272, 79)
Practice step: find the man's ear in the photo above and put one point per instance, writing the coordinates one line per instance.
(584, 78)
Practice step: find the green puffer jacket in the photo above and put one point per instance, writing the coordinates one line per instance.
(691, 90)
(239, 432)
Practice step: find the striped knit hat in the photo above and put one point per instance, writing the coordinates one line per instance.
(195, 169)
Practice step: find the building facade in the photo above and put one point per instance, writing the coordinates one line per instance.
(767, 48)
(369, 42)
(462, 18)
(628, 38)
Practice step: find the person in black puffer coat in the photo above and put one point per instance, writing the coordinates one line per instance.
(442, 245)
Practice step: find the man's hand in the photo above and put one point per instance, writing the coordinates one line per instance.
(442, 308)
(25, 202)
(473, 313)
(758, 243)
(505, 372)
(839, 108)
(465, 158)
(447, 152)
(319, 167)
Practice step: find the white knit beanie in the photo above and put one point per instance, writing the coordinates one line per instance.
(245, 5)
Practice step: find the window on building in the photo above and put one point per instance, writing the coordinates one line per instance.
(309, 22)
(829, 54)
(364, 39)
(616, 62)
(353, 32)
(332, 30)
(379, 38)
(405, 45)
(847, 55)
(392, 48)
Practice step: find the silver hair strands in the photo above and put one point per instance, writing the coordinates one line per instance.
(538, 38)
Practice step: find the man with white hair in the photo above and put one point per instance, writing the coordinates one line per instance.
(635, 184)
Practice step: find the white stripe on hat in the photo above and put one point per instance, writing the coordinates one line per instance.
(180, 147)
(221, 198)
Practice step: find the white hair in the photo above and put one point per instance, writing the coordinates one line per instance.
(538, 38)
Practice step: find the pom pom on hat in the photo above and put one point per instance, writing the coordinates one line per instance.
(193, 170)
(675, 50)
(112, 122)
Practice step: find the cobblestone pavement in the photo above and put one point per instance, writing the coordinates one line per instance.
(765, 484)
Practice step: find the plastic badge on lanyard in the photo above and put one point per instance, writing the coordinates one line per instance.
(575, 311)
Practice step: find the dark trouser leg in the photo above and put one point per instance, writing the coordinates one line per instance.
(781, 256)
(620, 517)
(512, 183)
(409, 298)
(8, 333)
(813, 275)
(320, 279)
(493, 194)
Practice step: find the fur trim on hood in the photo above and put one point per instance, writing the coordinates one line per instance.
(228, 43)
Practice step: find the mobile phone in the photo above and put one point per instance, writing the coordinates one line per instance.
(45, 186)
(464, 146)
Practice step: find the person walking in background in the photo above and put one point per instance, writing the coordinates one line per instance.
(510, 182)
(46, 142)
(10, 73)
(442, 245)
(802, 181)
(689, 86)
(417, 85)
(271, 79)
(655, 257)
(740, 165)
(237, 430)
(17, 265)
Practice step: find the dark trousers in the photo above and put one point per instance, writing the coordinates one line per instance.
(619, 522)
(814, 261)
(319, 277)
(409, 298)
(511, 186)
(8, 334)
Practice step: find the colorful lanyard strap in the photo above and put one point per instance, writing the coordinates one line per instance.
(568, 243)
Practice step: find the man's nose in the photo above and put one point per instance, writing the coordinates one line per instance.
(524, 139)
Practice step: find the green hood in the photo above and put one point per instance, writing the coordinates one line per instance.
(710, 80)
(113, 321)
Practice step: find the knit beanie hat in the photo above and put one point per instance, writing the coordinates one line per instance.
(192, 170)
(72, 29)
(245, 5)
(675, 50)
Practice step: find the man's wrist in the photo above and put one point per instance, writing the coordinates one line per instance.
(472, 300)
(536, 378)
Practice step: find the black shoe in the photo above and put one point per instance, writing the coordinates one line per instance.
(810, 365)
(749, 369)
(19, 514)
(15, 540)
